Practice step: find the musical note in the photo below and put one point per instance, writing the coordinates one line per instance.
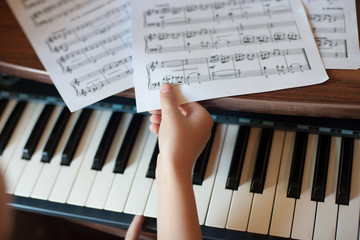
(92, 53)
(215, 43)
(85, 45)
(330, 2)
(328, 24)
(222, 67)
(329, 30)
(332, 48)
(219, 11)
(28, 4)
(216, 38)
(51, 13)
(106, 75)
(66, 38)
(334, 30)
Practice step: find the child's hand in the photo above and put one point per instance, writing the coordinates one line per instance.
(183, 132)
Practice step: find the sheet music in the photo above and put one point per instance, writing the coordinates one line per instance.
(85, 45)
(334, 26)
(220, 48)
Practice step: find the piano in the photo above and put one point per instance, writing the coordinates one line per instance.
(279, 165)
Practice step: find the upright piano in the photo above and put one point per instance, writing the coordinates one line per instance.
(282, 164)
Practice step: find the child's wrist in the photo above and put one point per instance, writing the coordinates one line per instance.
(171, 168)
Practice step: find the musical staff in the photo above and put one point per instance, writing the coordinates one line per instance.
(332, 48)
(335, 55)
(66, 38)
(222, 37)
(57, 10)
(163, 15)
(94, 52)
(328, 1)
(222, 67)
(328, 18)
(108, 74)
(334, 30)
(328, 23)
(221, 48)
(85, 45)
(32, 3)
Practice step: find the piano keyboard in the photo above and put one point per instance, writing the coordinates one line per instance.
(253, 178)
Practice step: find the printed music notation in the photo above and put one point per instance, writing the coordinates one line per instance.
(328, 23)
(94, 52)
(332, 48)
(57, 10)
(65, 39)
(85, 45)
(163, 15)
(334, 30)
(221, 67)
(329, 1)
(108, 74)
(222, 37)
(221, 48)
(32, 3)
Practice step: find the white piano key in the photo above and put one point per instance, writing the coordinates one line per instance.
(17, 164)
(242, 198)
(50, 171)
(6, 155)
(141, 186)
(67, 174)
(151, 206)
(203, 193)
(349, 216)
(221, 197)
(85, 177)
(283, 206)
(304, 216)
(104, 178)
(261, 209)
(122, 183)
(326, 215)
(34, 165)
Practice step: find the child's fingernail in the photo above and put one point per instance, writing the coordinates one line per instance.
(166, 88)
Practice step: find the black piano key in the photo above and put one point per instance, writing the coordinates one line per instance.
(237, 159)
(128, 143)
(321, 168)
(75, 137)
(262, 160)
(152, 165)
(202, 161)
(55, 136)
(297, 165)
(10, 125)
(3, 103)
(37, 131)
(106, 141)
(345, 169)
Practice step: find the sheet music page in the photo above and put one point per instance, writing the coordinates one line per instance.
(335, 29)
(85, 45)
(221, 48)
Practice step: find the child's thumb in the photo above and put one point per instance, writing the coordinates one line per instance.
(168, 100)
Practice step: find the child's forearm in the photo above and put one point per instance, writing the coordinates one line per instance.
(183, 132)
(177, 215)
